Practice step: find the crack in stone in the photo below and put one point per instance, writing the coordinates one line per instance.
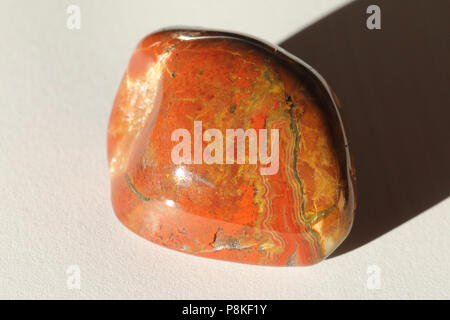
(135, 190)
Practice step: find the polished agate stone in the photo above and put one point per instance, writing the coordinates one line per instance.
(199, 80)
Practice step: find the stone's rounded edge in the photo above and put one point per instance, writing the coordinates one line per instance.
(349, 160)
(279, 52)
(118, 209)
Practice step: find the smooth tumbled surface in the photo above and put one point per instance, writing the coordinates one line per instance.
(297, 216)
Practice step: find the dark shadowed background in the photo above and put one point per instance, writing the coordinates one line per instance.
(394, 86)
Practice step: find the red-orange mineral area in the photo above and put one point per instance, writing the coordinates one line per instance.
(214, 200)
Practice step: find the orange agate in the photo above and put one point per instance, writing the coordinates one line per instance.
(229, 211)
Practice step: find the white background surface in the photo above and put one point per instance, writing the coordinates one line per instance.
(57, 89)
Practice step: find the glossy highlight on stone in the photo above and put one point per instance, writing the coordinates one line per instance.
(297, 216)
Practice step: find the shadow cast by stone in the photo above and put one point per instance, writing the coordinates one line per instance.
(393, 85)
